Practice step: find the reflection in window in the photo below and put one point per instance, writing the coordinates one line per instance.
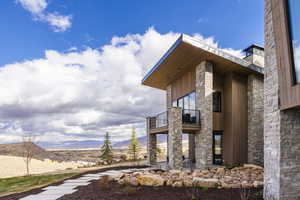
(294, 23)
(217, 148)
(174, 104)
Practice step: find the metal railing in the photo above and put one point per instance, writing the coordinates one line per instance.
(191, 117)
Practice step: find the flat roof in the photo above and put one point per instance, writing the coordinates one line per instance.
(188, 52)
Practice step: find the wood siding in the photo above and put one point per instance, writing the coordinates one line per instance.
(184, 85)
(218, 117)
(289, 91)
(235, 119)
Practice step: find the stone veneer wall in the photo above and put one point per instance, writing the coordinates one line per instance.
(255, 119)
(281, 129)
(175, 138)
(204, 100)
(169, 96)
(151, 146)
(192, 147)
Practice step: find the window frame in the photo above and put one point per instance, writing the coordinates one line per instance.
(219, 93)
(289, 91)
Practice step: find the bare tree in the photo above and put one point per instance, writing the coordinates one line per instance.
(28, 147)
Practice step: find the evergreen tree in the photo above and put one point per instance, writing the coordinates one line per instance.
(106, 150)
(134, 146)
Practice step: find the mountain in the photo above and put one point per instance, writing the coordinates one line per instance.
(17, 149)
(142, 140)
(86, 144)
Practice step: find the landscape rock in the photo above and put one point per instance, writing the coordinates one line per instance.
(208, 183)
(150, 180)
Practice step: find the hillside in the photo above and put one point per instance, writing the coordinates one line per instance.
(17, 149)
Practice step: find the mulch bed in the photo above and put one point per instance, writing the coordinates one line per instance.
(38, 190)
(115, 191)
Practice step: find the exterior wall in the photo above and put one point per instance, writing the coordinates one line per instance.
(184, 85)
(257, 58)
(255, 119)
(151, 145)
(218, 117)
(235, 119)
(281, 129)
(203, 138)
(175, 138)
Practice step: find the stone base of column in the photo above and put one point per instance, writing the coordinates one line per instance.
(175, 138)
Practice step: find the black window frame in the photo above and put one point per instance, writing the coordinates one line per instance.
(217, 101)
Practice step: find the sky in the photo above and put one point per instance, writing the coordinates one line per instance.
(72, 69)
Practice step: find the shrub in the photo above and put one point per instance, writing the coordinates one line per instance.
(129, 190)
(104, 183)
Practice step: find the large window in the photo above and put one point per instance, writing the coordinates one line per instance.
(187, 102)
(293, 8)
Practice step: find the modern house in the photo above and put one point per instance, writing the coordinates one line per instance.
(214, 97)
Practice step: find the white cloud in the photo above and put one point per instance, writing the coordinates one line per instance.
(33, 6)
(82, 94)
(59, 23)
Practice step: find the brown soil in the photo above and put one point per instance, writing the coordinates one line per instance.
(114, 191)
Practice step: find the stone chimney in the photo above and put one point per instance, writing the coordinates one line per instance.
(255, 55)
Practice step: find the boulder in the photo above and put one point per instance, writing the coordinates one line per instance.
(177, 184)
(150, 180)
(220, 171)
(202, 182)
(252, 166)
(258, 183)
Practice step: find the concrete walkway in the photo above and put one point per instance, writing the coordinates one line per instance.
(69, 186)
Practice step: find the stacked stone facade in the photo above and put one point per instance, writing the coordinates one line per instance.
(255, 119)
(151, 145)
(281, 129)
(204, 103)
(175, 138)
(169, 96)
(192, 147)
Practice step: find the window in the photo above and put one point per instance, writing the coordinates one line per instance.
(293, 7)
(217, 102)
(217, 148)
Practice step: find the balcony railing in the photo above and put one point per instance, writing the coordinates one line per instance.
(189, 117)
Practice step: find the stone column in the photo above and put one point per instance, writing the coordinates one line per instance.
(169, 96)
(255, 119)
(192, 147)
(281, 129)
(204, 101)
(175, 138)
(151, 145)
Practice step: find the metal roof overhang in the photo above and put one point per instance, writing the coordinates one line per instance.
(188, 52)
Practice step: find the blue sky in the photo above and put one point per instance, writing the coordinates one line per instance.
(71, 70)
(233, 23)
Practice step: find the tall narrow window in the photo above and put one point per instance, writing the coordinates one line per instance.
(217, 102)
(217, 148)
(293, 8)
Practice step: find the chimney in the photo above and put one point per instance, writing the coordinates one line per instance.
(255, 55)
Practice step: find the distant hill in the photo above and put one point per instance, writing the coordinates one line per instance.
(17, 149)
(143, 141)
(86, 144)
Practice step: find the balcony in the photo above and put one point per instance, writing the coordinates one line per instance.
(190, 121)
